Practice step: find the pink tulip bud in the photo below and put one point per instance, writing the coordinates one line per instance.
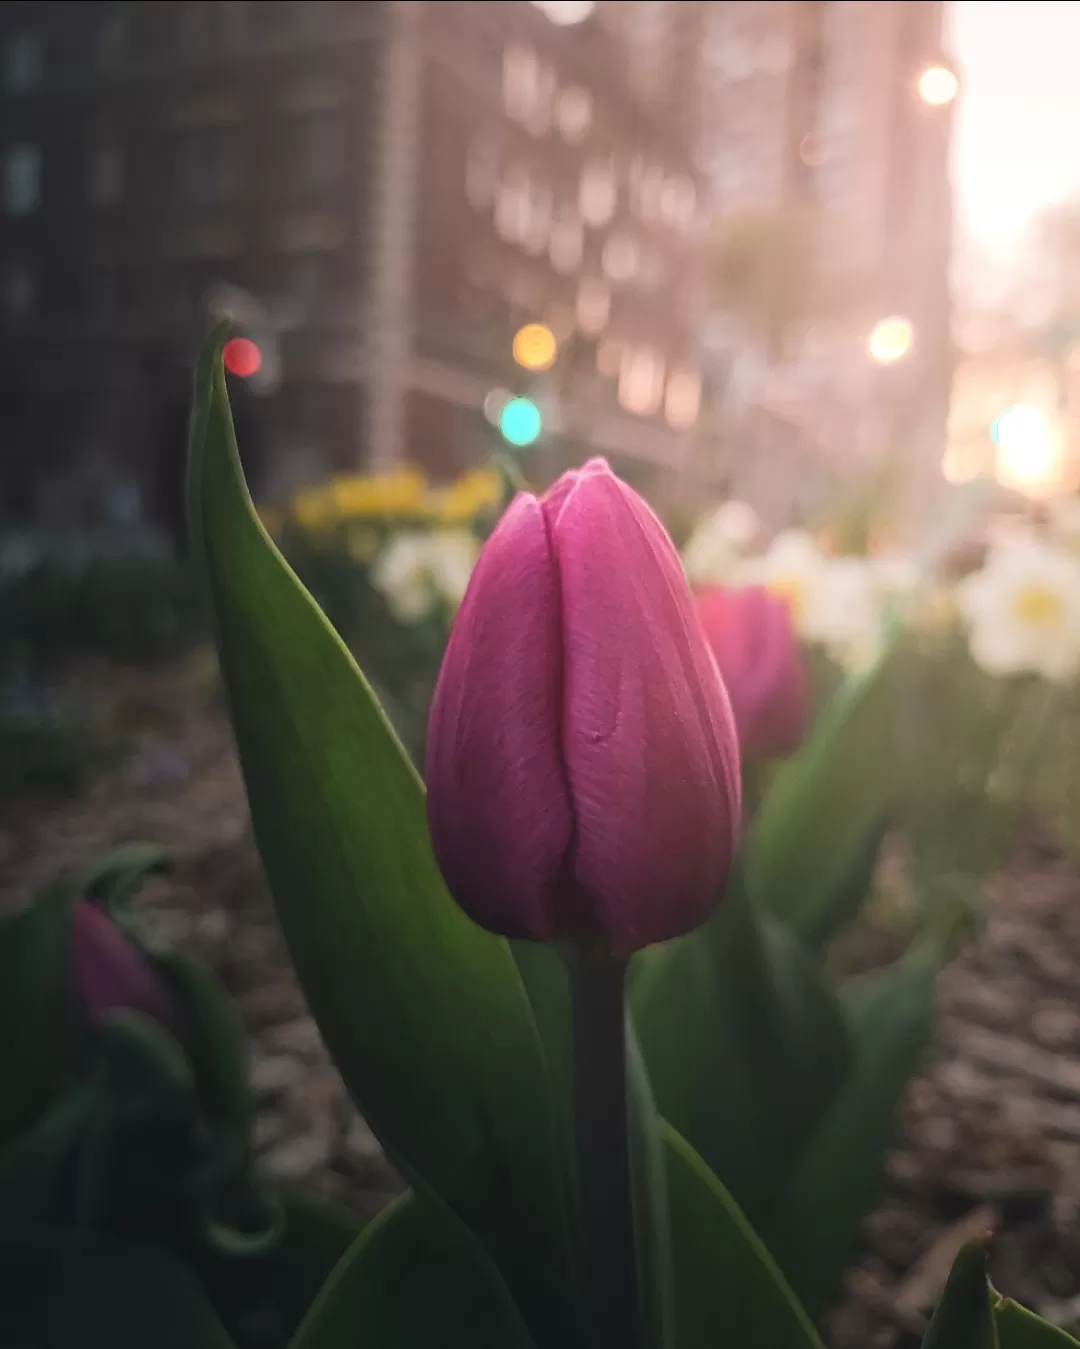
(582, 765)
(113, 974)
(754, 643)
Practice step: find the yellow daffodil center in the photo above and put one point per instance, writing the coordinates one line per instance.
(1039, 606)
(793, 592)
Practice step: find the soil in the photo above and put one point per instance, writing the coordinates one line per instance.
(990, 1137)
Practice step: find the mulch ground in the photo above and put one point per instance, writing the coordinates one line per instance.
(990, 1139)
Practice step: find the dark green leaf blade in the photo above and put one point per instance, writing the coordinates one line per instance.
(69, 1290)
(407, 1283)
(806, 857)
(424, 1013)
(745, 1047)
(1018, 1328)
(318, 1233)
(964, 1319)
(890, 1015)
(37, 995)
(727, 1288)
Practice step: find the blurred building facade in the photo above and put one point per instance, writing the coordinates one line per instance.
(808, 113)
(382, 192)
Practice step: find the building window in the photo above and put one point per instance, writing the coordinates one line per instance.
(566, 246)
(593, 307)
(22, 62)
(316, 152)
(113, 40)
(682, 400)
(208, 166)
(574, 114)
(102, 295)
(211, 24)
(598, 194)
(621, 258)
(20, 291)
(22, 179)
(105, 184)
(641, 380)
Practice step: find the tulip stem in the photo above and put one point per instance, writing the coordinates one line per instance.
(605, 1209)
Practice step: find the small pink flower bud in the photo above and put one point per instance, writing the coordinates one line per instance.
(112, 973)
(755, 646)
(582, 766)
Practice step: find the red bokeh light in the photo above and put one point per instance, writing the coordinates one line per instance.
(242, 357)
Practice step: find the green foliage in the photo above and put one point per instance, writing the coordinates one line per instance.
(130, 608)
(754, 1023)
(436, 1042)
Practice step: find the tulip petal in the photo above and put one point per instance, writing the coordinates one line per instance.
(112, 974)
(648, 737)
(497, 797)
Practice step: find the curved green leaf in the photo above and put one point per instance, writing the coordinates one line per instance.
(727, 1288)
(806, 857)
(964, 1319)
(1018, 1328)
(70, 1290)
(407, 1283)
(745, 1047)
(890, 1015)
(318, 1234)
(424, 1013)
(37, 995)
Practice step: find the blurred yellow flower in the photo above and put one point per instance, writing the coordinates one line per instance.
(314, 509)
(362, 545)
(393, 494)
(471, 494)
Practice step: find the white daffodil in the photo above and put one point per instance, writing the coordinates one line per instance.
(719, 542)
(895, 576)
(793, 567)
(738, 523)
(452, 557)
(1023, 611)
(402, 575)
(845, 611)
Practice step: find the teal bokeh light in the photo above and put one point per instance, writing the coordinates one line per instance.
(520, 421)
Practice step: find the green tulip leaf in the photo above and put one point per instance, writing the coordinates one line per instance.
(37, 996)
(727, 1288)
(64, 1289)
(409, 1282)
(115, 879)
(890, 1017)
(964, 1318)
(318, 1234)
(809, 859)
(1018, 1328)
(424, 1013)
(216, 1045)
(745, 1046)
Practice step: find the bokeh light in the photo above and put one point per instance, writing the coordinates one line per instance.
(535, 347)
(565, 13)
(938, 86)
(520, 421)
(1029, 453)
(891, 340)
(242, 357)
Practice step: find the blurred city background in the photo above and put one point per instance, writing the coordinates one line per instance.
(733, 222)
(806, 272)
